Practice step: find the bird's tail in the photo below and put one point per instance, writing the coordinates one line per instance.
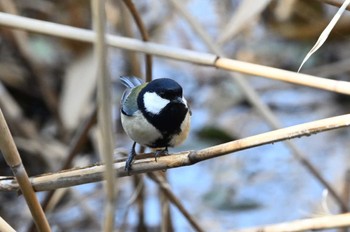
(131, 81)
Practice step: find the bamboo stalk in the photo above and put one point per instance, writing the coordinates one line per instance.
(320, 223)
(13, 159)
(93, 173)
(207, 59)
(104, 113)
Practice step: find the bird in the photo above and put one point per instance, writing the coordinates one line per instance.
(154, 114)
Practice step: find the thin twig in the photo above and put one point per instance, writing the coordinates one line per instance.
(131, 57)
(164, 186)
(345, 197)
(13, 159)
(104, 112)
(139, 187)
(175, 53)
(312, 224)
(144, 35)
(346, 187)
(93, 173)
(164, 198)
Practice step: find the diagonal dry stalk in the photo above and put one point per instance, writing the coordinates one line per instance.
(104, 113)
(144, 34)
(175, 53)
(13, 160)
(311, 224)
(165, 187)
(93, 173)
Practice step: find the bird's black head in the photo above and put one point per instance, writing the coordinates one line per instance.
(163, 105)
(166, 88)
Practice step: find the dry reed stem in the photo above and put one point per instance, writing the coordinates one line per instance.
(104, 112)
(283, 75)
(13, 160)
(165, 187)
(320, 223)
(207, 59)
(126, 30)
(140, 25)
(93, 173)
(255, 100)
(5, 227)
(346, 187)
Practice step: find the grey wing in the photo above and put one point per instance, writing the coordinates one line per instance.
(131, 81)
(129, 100)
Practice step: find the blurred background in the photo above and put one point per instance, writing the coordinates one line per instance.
(48, 88)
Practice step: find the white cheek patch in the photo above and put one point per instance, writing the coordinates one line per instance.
(154, 103)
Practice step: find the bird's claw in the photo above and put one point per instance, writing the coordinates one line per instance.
(130, 159)
(132, 154)
(160, 152)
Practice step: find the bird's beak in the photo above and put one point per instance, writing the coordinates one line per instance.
(180, 100)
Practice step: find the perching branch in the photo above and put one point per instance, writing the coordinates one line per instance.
(147, 163)
(69, 32)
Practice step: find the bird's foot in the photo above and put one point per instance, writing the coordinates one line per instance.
(160, 152)
(130, 158)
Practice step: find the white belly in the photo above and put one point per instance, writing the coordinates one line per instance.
(139, 129)
(144, 133)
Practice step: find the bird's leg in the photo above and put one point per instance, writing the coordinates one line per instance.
(160, 152)
(130, 158)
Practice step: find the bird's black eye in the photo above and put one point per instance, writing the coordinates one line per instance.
(162, 94)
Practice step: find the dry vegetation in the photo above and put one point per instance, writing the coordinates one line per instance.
(59, 90)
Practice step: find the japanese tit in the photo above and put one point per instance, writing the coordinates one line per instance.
(154, 114)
